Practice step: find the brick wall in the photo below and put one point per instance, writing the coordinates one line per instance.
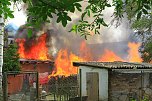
(124, 86)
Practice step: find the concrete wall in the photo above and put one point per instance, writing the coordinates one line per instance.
(103, 81)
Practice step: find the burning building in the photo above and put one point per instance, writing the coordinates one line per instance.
(47, 51)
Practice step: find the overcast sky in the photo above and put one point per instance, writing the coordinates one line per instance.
(19, 16)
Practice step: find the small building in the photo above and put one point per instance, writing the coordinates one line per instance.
(17, 82)
(115, 81)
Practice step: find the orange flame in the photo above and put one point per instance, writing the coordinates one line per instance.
(85, 52)
(109, 56)
(64, 64)
(133, 52)
(38, 51)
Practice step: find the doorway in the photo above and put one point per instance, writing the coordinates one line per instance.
(92, 79)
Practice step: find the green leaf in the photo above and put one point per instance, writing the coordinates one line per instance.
(108, 5)
(28, 24)
(139, 15)
(104, 24)
(24, 1)
(147, 7)
(145, 11)
(78, 6)
(44, 17)
(74, 28)
(85, 36)
(59, 19)
(5, 15)
(68, 18)
(10, 15)
(97, 32)
(88, 13)
(48, 21)
(50, 15)
(83, 14)
(1, 12)
(29, 34)
(64, 22)
(72, 9)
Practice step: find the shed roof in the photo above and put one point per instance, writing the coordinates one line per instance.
(115, 65)
(27, 61)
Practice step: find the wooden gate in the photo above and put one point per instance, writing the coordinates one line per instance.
(92, 86)
(19, 86)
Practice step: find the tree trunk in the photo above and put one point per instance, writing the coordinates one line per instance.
(1, 54)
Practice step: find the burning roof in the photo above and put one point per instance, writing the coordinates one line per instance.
(22, 61)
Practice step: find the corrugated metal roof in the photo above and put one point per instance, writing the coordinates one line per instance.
(115, 65)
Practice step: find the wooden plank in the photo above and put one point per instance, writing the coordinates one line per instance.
(92, 86)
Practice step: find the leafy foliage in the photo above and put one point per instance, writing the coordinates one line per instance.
(5, 10)
(143, 28)
(96, 8)
(146, 52)
(11, 59)
(39, 11)
(142, 24)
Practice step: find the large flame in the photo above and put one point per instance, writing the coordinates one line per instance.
(37, 51)
(133, 52)
(65, 58)
(85, 52)
(109, 56)
(64, 64)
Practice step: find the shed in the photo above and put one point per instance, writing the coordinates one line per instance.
(36, 65)
(114, 81)
(44, 68)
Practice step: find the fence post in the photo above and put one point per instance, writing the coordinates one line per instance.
(5, 87)
(37, 85)
(80, 84)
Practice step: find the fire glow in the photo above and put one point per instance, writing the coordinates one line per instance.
(38, 51)
(65, 58)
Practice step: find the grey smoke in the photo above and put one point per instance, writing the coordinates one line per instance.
(112, 38)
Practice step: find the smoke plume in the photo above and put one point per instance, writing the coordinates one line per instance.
(58, 37)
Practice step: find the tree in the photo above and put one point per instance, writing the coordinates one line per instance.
(5, 12)
(11, 59)
(1, 53)
(143, 26)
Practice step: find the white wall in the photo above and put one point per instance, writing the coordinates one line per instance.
(103, 81)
